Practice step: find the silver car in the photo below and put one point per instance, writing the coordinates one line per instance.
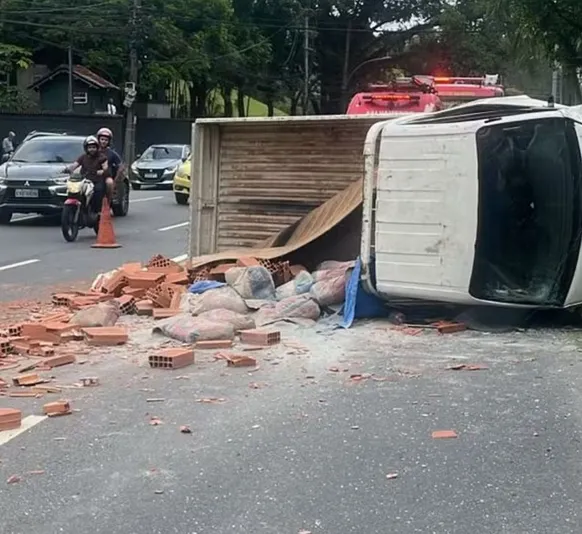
(157, 165)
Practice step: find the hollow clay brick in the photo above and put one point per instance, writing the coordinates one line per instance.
(263, 338)
(172, 358)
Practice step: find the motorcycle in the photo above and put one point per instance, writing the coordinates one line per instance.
(77, 212)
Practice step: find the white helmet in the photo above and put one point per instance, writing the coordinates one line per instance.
(105, 132)
(91, 140)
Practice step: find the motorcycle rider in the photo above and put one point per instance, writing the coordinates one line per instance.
(105, 136)
(93, 164)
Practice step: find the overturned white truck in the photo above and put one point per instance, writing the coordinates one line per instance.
(478, 204)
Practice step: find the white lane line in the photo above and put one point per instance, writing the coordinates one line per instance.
(173, 227)
(145, 199)
(27, 424)
(19, 264)
(178, 259)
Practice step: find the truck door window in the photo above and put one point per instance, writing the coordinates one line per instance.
(529, 220)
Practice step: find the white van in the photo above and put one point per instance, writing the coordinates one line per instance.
(478, 204)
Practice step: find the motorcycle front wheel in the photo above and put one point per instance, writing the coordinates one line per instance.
(69, 226)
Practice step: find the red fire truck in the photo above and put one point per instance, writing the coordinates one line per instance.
(457, 90)
(415, 94)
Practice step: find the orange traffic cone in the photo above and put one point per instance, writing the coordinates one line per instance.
(106, 235)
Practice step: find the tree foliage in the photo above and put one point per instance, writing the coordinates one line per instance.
(196, 52)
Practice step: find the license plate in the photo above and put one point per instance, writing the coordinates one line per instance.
(26, 193)
(151, 175)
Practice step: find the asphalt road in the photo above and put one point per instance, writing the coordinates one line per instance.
(33, 252)
(310, 451)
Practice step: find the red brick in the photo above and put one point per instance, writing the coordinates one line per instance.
(144, 280)
(239, 360)
(180, 278)
(126, 304)
(30, 379)
(216, 344)
(106, 335)
(176, 301)
(33, 330)
(129, 268)
(58, 327)
(144, 307)
(263, 338)
(173, 358)
(444, 434)
(115, 284)
(451, 328)
(57, 361)
(165, 313)
(159, 296)
(248, 262)
(10, 418)
(137, 293)
(61, 407)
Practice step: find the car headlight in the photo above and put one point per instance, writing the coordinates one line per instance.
(171, 169)
(61, 180)
(134, 167)
(2, 180)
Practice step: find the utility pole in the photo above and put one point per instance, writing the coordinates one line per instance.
(129, 138)
(70, 62)
(306, 65)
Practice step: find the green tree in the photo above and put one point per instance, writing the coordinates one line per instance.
(13, 58)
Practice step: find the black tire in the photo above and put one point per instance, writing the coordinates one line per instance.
(136, 187)
(5, 217)
(121, 208)
(181, 198)
(96, 225)
(69, 227)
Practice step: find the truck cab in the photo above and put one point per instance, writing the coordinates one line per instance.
(404, 95)
(478, 204)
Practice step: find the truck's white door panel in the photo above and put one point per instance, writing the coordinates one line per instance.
(426, 211)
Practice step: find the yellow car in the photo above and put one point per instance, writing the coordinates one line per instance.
(181, 183)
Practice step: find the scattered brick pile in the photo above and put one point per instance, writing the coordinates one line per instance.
(49, 339)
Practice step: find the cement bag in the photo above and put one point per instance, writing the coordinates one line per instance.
(300, 284)
(332, 265)
(102, 314)
(224, 298)
(253, 282)
(188, 329)
(329, 292)
(319, 276)
(237, 320)
(299, 306)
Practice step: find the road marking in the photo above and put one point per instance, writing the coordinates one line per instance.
(145, 199)
(27, 424)
(19, 264)
(174, 226)
(178, 259)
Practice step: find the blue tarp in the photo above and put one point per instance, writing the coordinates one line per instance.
(359, 304)
(204, 285)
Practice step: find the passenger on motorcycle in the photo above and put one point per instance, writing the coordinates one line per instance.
(105, 136)
(93, 164)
